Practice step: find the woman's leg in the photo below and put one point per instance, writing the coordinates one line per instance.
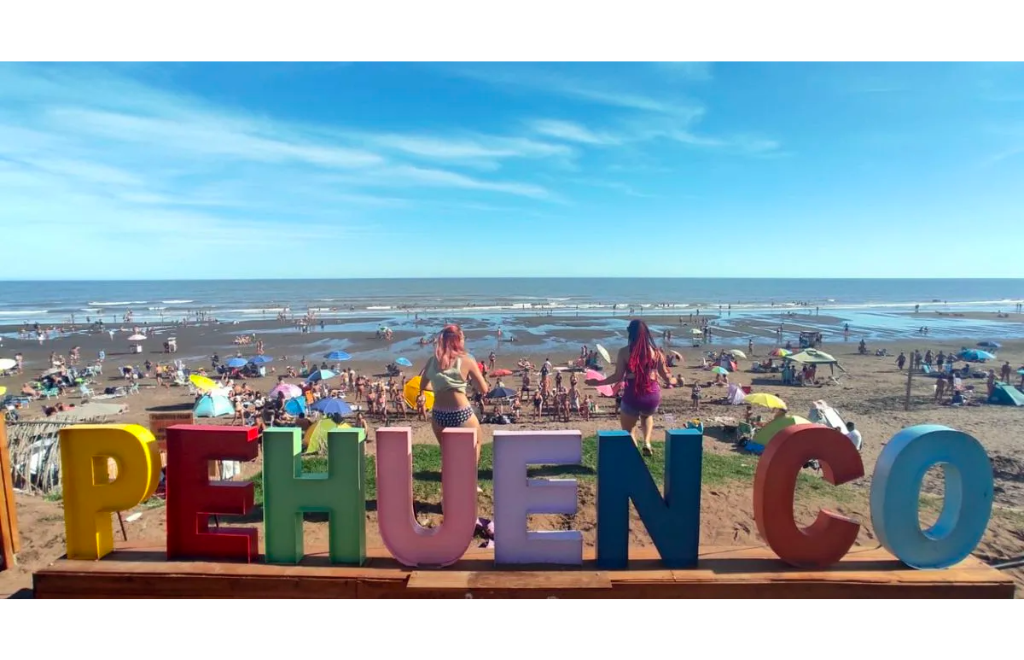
(628, 421)
(647, 426)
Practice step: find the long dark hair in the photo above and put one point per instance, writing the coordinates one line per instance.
(642, 355)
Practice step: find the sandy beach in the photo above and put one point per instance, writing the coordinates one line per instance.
(870, 393)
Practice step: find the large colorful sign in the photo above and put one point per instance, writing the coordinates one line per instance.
(672, 518)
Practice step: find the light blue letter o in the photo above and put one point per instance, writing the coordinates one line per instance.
(896, 485)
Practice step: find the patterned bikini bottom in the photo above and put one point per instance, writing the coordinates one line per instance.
(447, 419)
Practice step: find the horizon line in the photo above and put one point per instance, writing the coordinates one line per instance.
(511, 277)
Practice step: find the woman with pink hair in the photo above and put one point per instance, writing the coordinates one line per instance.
(447, 373)
(638, 366)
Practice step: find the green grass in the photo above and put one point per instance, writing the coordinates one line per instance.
(426, 467)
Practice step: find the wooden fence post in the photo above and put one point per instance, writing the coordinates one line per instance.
(9, 541)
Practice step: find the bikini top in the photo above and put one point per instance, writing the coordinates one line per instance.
(449, 379)
(653, 375)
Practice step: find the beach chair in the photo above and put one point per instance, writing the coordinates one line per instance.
(745, 431)
(51, 393)
(85, 391)
(134, 389)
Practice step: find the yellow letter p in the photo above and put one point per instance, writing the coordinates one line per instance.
(89, 494)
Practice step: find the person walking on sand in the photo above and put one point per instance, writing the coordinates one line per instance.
(447, 373)
(638, 366)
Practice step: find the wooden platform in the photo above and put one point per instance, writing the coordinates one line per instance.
(722, 573)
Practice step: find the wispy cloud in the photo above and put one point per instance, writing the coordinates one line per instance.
(467, 148)
(742, 144)
(617, 186)
(681, 131)
(571, 132)
(557, 84)
(404, 176)
(691, 71)
(208, 136)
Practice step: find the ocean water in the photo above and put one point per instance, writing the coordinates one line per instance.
(874, 308)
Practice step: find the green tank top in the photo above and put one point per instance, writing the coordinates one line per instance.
(449, 379)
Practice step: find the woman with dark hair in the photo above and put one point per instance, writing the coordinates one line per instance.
(638, 366)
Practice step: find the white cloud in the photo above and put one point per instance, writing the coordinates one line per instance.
(207, 136)
(85, 171)
(572, 132)
(552, 83)
(405, 174)
(469, 148)
(692, 71)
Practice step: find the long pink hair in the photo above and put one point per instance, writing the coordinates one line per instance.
(450, 344)
(641, 362)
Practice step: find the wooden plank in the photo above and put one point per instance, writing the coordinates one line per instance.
(10, 542)
(751, 572)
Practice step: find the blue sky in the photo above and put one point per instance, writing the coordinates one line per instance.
(141, 171)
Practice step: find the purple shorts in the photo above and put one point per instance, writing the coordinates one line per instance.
(641, 405)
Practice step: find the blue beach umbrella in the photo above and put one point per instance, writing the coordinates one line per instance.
(332, 406)
(260, 360)
(237, 362)
(501, 393)
(320, 374)
(403, 361)
(213, 406)
(338, 356)
(974, 355)
(295, 406)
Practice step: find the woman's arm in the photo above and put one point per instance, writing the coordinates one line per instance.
(620, 371)
(663, 371)
(425, 385)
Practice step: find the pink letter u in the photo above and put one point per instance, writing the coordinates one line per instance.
(411, 544)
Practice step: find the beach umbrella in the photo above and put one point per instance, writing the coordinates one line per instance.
(989, 344)
(696, 331)
(3, 390)
(320, 374)
(765, 400)
(404, 362)
(501, 393)
(332, 406)
(720, 370)
(738, 353)
(237, 362)
(412, 390)
(974, 355)
(1021, 371)
(498, 373)
(213, 406)
(781, 352)
(295, 406)
(765, 434)
(317, 433)
(137, 337)
(290, 391)
(603, 390)
(603, 352)
(338, 356)
(7, 363)
(202, 382)
(260, 360)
